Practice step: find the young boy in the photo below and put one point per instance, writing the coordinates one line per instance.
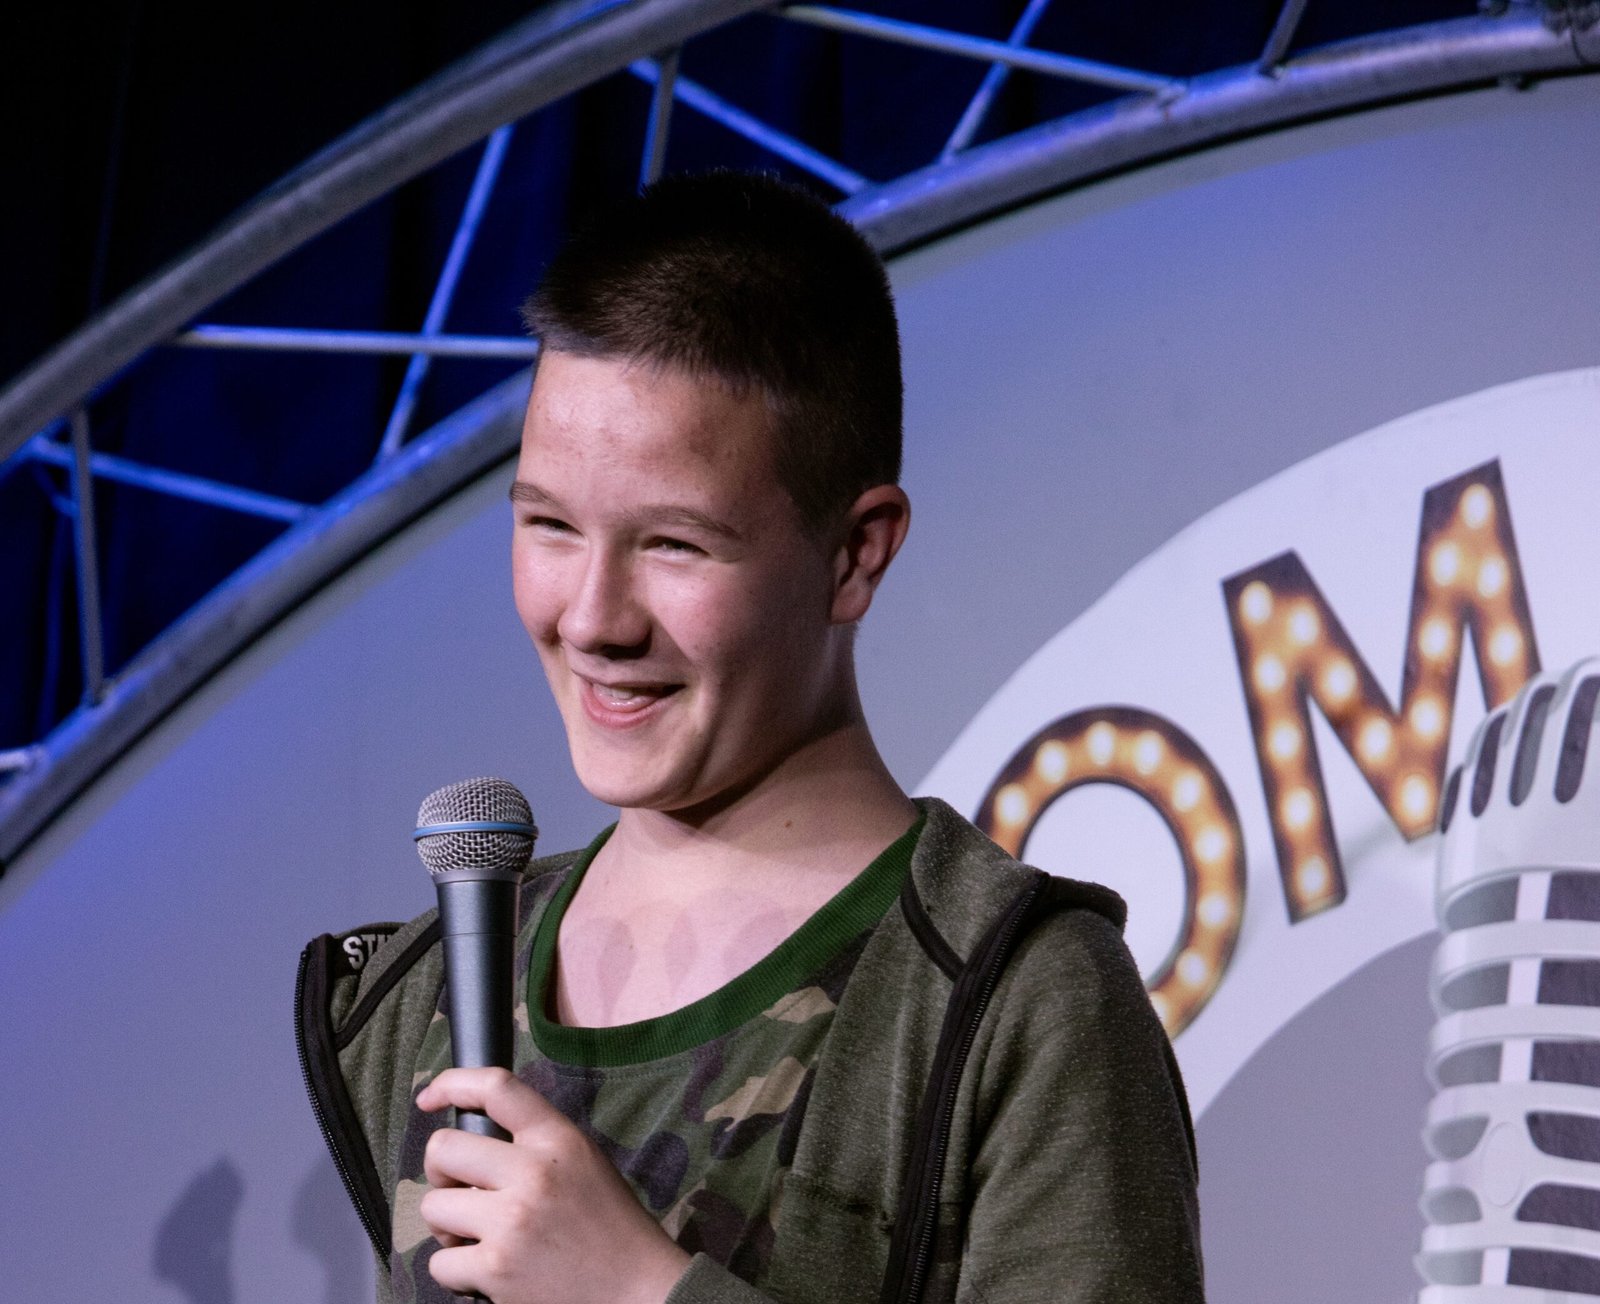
(784, 1034)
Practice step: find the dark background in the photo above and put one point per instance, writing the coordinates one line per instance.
(133, 128)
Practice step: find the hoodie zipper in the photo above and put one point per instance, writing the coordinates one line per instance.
(368, 1219)
(994, 967)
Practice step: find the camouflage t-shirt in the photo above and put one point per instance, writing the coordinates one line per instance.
(699, 1109)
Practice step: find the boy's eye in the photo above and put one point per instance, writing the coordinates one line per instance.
(549, 523)
(676, 545)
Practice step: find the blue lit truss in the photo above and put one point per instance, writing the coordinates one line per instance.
(567, 46)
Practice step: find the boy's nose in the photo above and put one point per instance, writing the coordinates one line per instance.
(603, 615)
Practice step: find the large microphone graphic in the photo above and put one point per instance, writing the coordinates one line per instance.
(1512, 1196)
(476, 838)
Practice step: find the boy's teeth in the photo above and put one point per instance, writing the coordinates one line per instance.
(621, 696)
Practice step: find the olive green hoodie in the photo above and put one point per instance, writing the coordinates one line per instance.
(997, 1116)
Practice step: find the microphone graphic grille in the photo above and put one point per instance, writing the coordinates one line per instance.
(472, 801)
(1514, 1125)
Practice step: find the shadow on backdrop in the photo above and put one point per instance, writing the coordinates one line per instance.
(194, 1244)
(1333, 1106)
(324, 1225)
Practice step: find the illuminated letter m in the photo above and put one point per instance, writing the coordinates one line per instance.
(1293, 650)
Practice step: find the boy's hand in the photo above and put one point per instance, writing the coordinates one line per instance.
(553, 1222)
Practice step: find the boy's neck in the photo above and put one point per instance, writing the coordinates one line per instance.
(820, 806)
(673, 908)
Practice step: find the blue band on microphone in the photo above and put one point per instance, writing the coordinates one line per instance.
(475, 826)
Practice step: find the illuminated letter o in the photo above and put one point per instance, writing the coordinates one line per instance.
(1152, 757)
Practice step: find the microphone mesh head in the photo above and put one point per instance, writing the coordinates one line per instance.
(473, 801)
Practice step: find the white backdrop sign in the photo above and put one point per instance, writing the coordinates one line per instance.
(1279, 689)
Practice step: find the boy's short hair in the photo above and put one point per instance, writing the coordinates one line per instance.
(742, 277)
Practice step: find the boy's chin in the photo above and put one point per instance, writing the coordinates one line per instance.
(626, 791)
(664, 798)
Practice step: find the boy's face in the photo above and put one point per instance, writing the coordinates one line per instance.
(681, 611)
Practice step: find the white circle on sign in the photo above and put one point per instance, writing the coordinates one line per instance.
(1109, 834)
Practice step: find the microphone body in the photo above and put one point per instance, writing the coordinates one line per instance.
(478, 921)
(476, 838)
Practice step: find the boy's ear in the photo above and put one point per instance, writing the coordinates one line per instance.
(873, 530)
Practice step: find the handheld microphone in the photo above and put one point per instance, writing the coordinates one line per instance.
(476, 838)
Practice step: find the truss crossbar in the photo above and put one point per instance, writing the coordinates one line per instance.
(90, 627)
(494, 153)
(978, 109)
(1064, 66)
(1277, 46)
(749, 126)
(655, 136)
(286, 339)
(175, 483)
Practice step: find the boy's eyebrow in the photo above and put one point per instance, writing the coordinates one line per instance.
(531, 495)
(524, 491)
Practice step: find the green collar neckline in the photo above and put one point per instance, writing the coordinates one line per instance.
(856, 907)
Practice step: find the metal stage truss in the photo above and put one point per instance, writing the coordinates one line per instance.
(45, 414)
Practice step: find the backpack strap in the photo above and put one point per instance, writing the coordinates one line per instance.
(329, 1013)
(916, 1224)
